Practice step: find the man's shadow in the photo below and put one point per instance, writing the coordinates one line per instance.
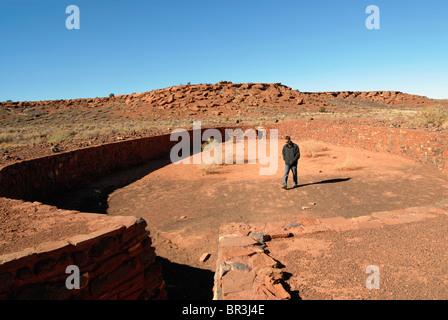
(321, 182)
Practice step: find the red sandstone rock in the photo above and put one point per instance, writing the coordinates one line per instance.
(204, 257)
(228, 253)
(237, 281)
(261, 260)
(238, 242)
(337, 223)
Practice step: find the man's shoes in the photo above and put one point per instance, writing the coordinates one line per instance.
(296, 186)
(284, 187)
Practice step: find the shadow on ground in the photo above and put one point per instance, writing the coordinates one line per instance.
(321, 182)
(92, 197)
(186, 283)
(295, 294)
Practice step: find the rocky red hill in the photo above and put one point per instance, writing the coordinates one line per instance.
(36, 128)
(223, 98)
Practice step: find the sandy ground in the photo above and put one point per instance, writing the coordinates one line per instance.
(185, 204)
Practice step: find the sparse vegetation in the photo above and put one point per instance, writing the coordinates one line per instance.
(435, 115)
(206, 143)
(61, 135)
(29, 133)
(28, 124)
(209, 168)
(312, 148)
(348, 165)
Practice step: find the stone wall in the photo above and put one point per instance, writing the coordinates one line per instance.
(116, 261)
(420, 145)
(245, 271)
(38, 178)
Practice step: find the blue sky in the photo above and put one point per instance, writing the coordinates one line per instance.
(135, 46)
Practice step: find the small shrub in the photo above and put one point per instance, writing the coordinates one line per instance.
(90, 134)
(111, 95)
(348, 165)
(322, 109)
(445, 125)
(7, 137)
(311, 148)
(206, 143)
(62, 135)
(435, 115)
(209, 168)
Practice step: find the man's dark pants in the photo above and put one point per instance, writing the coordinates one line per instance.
(288, 168)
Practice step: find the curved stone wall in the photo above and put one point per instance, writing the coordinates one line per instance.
(127, 271)
(39, 178)
(424, 146)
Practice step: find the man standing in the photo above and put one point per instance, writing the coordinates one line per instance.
(291, 154)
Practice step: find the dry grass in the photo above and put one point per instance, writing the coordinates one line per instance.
(312, 148)
(10, 137)
(28, 134)
(60, 135)
(434, 115)
(348, 165)
(209, 168)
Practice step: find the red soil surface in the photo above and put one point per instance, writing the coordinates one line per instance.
(411, 259)
(186, 204)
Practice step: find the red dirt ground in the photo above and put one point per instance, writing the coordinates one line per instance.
(411, 259)
(186, 204)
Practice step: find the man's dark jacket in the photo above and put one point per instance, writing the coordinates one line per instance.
(291, 154)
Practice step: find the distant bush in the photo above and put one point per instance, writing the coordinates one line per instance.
(322, 109)
(61, 135)
(206, 143)
(7, 137)
(111, 95)
(209, 168)
(312, 148)
(435, 115)
(92, 133)
(348, 165)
